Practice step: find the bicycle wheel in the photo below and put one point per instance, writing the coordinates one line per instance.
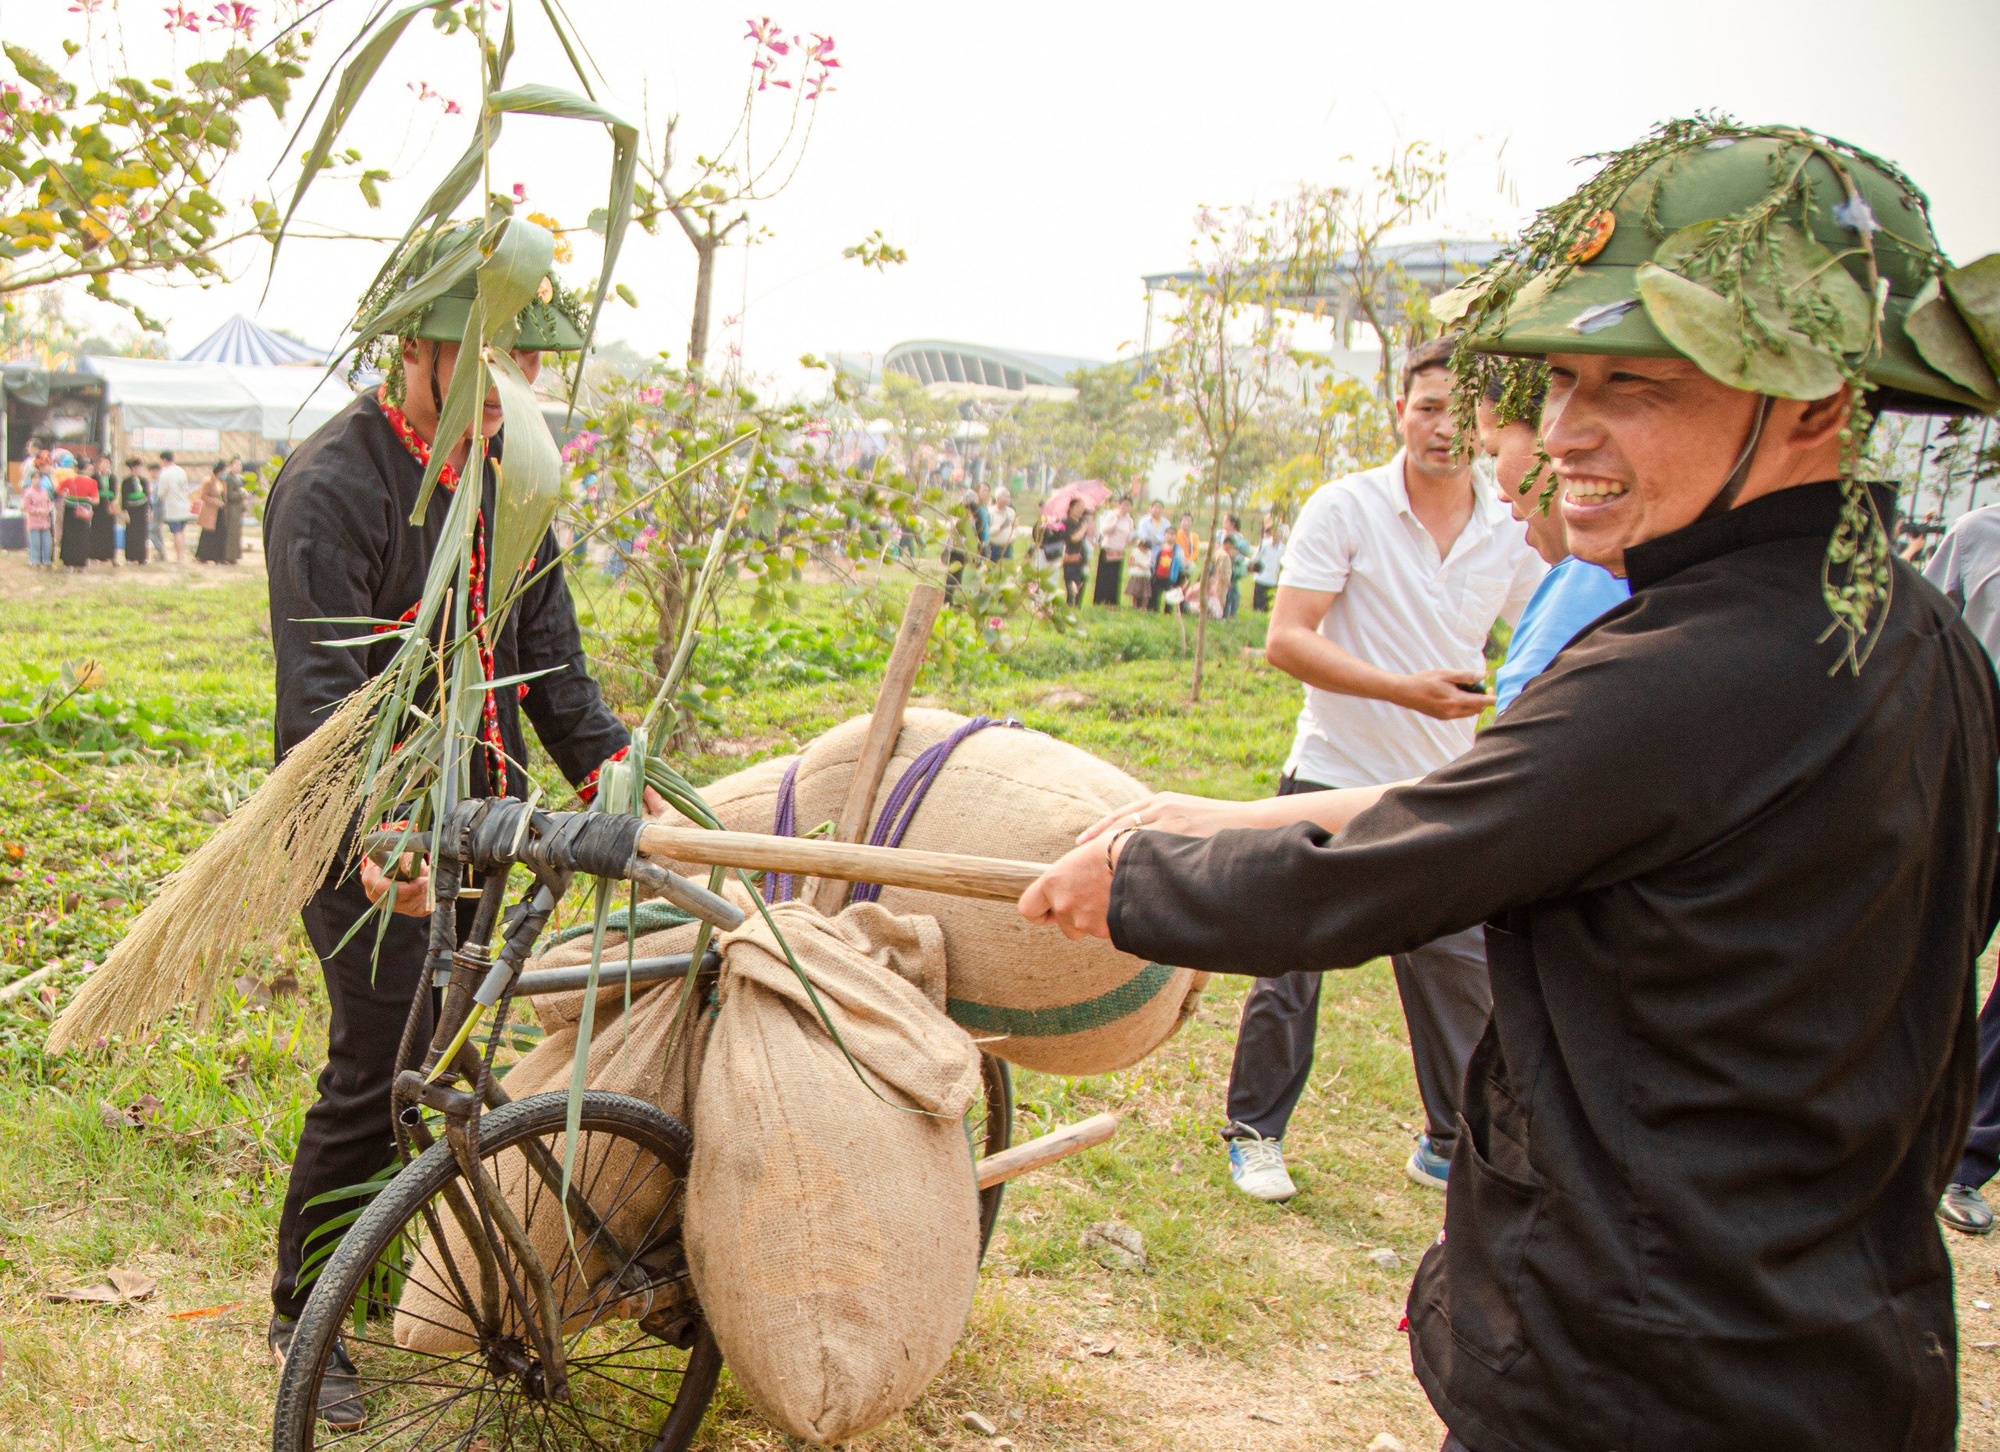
(446, 1355)
(990, 1124)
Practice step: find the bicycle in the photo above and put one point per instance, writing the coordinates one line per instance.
(605, 1347)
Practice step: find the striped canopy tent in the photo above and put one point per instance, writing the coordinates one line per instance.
(241, 341)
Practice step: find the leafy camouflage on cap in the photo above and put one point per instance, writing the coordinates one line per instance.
(1777, 260)
(552, 320)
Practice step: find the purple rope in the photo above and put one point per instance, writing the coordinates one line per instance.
(909, 791)
(778, 887)
(897, 813)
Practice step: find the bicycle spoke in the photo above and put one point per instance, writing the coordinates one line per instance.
(637, 1391)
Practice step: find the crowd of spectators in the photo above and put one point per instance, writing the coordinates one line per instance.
(80, 510)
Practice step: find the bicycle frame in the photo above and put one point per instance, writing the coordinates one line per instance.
(490, 836)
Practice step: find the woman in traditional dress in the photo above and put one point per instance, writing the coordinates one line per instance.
(138, 505)
(78, 492)
(208, 514)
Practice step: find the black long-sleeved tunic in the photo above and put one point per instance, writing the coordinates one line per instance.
(338, 542)
(1732, 906)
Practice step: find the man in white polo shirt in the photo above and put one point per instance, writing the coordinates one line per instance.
(1390, 586)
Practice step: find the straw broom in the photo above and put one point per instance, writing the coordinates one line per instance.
(244, 884)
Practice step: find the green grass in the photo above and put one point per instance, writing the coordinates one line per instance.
(1243, 1305)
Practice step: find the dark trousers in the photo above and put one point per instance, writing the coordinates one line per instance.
(1982, 1141)
(1260, 596)
(1074, 579)
(136, 525)
(1447, 999)
(1110, 573)
(348, 1135)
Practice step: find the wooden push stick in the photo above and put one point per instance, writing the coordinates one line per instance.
(1052, 1146)
(997, 879)
(885, 725)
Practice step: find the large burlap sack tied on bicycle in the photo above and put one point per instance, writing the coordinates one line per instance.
(1026, 993)
(833, 1219)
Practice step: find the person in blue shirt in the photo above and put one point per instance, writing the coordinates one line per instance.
(1574, 592)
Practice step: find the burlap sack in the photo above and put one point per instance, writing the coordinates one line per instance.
(628, 1055)
(1026, 994)
(834, 1234)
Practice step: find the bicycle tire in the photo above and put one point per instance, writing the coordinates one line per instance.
(346, 1278)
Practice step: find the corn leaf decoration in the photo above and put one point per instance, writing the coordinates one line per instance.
(402, 748)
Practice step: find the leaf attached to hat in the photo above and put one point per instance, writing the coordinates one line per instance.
(1975, 289)
(1944, 337)
(1793, 312)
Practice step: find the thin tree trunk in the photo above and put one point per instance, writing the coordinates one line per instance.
(667, 636)
(704, 280)
(1201, 581)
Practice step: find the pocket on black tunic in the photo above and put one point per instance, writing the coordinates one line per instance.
(1489, 1218)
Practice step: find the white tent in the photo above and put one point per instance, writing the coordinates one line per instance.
(241, 341)
(275, 403)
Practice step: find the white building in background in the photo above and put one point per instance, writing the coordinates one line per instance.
(972, 371)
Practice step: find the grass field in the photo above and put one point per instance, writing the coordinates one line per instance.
(1273, 1310)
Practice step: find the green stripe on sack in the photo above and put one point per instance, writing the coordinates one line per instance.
(1065, 1018)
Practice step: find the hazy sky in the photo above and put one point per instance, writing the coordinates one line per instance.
(1035, 158)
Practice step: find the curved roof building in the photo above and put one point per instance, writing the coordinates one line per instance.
(976, 370)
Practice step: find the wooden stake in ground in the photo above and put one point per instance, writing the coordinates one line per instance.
(885, 724)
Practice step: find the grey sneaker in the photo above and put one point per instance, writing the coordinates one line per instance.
(340, 1403)
(1257, 1167)
(1965, 1210)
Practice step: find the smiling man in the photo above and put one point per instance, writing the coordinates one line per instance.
(1733, 851)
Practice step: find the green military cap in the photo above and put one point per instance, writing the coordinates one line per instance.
(1777, 260)
(551, 321)
(547, 321)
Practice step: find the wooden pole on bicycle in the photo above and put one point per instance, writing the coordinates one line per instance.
(885, 724)
(996, 879)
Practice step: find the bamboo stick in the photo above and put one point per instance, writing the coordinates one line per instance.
(1048, 1148)
(26, 983)
(885, 725)
(995, 879)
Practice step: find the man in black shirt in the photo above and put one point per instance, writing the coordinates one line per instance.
(1734, 862)
(339, 545)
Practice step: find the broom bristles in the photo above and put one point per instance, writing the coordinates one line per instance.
(242, 885)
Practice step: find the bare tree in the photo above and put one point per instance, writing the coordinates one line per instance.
(1340, 247)
(1217, 369)
(708, 196)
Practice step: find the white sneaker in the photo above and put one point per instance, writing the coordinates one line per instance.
(1257, 1168)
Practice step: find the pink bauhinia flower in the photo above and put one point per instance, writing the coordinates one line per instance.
(234, 15)
(179, 17)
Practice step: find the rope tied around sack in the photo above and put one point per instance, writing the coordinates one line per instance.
(898, 812)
